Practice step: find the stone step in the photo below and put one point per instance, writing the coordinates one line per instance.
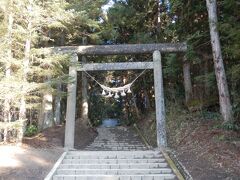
(114, 166)
(118, 143)
(113, 171)
(114, 156)
(110, 161)
(115, 145)
(95, 148)
(112, 147)
(118, 147)
(113, 152)
(115, 148)
(116, 177)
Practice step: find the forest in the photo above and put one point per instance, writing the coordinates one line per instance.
(201, 86)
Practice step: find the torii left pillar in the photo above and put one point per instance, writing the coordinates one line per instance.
(71, 104)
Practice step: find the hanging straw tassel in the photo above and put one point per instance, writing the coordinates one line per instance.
(104, 93)
(123, 93)
(116, 96)
(129, 91)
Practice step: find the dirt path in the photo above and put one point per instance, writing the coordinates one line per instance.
(26, 163)
(35, 158)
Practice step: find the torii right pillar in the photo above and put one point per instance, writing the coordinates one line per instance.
(159, 100)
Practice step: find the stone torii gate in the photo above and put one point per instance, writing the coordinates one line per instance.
(156, 65)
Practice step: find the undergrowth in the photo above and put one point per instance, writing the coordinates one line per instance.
(180, 123)
(31, 130)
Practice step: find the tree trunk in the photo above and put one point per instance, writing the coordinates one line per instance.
(46, 112)
(57, 113)
(146, 100)
(57, 98)
(84, 116)
(146, 96)
(26, 60)
(187, 80)
(158, 16)
(22, 112)
(22, 109)
(7, 113)
(224, 99)
(135, 107)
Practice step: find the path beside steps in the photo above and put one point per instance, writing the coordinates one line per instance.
(116, 154)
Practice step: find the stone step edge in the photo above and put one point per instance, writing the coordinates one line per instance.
(140, 160)
(112, 152)
(154, 169)
(55, 167)
(158, 165)
(120, 168)
(112, 158)
(103, 175)
(153, 163)
(129, 159)
(75, 161)
(114, 155)
(172, 165)
(140, 151)
(108, 153)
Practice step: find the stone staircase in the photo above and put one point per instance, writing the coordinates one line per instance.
(115, 154)
(112, 165)
(116, 139)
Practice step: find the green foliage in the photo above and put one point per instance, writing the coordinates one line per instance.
(230, 126)
(172, 69)
(96, 109)
(208, 115)
(208, 79)
(135, 21)
(31, 130)
(28, 73)
(101, 108)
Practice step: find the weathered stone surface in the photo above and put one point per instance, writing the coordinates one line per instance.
(115, 66)
(159, 100)
(116, 139)
(71, 106)
(119, 49)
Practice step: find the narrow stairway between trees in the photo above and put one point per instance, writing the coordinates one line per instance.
(116, 154)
